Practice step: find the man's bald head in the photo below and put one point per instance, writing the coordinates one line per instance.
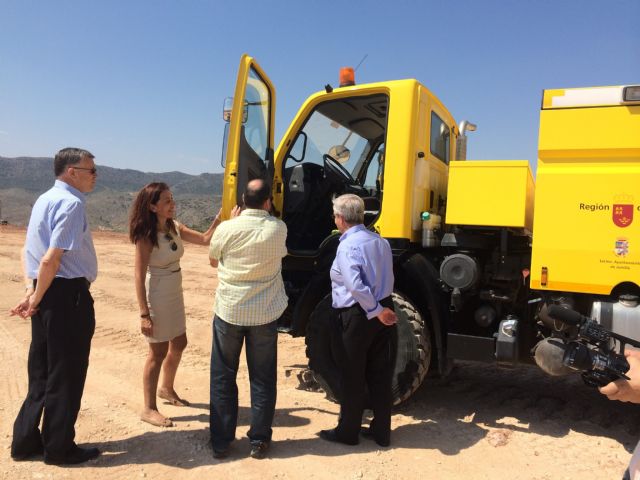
(257, 193)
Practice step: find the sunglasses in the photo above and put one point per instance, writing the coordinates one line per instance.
(172, 244)
(92, 171)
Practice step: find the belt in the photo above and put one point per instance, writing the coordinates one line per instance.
(385, 302)
(161, 272)
(81, 282)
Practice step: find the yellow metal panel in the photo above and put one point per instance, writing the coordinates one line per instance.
(495, 193)
(428, 173)
(587, 206)
(578, 232)
(395, 218)
(597, 132)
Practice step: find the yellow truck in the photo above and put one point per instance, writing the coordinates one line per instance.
(481, 251)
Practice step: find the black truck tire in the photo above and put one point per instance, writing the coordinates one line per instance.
(414, 349)
(412, 359)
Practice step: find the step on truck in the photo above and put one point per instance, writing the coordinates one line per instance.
(481, 251)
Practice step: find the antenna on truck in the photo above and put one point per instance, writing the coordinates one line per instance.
(361, 62)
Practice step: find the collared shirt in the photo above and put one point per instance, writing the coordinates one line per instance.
(249, 249)
(362, 271)
(59, 220)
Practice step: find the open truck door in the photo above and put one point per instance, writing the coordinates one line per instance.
(249, 132)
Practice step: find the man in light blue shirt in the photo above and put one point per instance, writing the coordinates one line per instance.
(362, 284)
(60, 264)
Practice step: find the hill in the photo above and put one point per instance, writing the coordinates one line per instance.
(23, 179)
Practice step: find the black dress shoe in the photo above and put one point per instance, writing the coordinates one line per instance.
(332, 436)
(367, 433)
(21, 457)
(77, 455)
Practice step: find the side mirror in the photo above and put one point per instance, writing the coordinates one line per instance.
(228, 107)
(340, 153)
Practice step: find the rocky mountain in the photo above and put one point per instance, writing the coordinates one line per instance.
(23, 179)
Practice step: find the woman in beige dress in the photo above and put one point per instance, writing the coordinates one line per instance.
(158, 239)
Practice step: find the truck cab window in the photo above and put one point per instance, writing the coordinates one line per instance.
(440, 136)
(335, 152)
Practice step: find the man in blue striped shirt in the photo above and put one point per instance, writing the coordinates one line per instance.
(362, 284)
(60, 263)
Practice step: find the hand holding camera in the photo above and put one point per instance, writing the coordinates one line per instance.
(626, 390)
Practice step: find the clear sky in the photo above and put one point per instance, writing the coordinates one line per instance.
(141, 83)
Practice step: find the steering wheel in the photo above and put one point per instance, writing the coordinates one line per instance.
(333, 166)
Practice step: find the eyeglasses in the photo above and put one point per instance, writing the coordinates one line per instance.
(92, 170)
(172, 244)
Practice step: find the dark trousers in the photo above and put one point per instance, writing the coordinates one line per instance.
(61, 334)
(261, 351)
(370, 352)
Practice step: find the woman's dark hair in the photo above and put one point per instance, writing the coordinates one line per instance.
(143, 223)
(69, 156)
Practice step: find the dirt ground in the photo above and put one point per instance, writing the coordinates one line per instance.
(479, 423)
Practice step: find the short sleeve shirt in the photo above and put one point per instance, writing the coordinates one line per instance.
(249, 249)
(59, 220)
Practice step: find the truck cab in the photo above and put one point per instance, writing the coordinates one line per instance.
(389, 142)
(341, 141)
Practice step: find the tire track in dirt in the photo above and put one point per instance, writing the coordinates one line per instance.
(11, 277)
(124, 299)
(13, 358)
(10, 255)
(116, 339)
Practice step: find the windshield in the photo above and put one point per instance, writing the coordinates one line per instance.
(322, 134)
(356, 124)
(339, 149)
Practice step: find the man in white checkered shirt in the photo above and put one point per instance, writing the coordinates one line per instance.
(248, 251)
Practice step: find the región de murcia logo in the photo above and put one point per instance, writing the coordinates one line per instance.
(622, 214)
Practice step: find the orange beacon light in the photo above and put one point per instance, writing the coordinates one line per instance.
(347, 77)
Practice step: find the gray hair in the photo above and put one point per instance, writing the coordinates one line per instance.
(350, 207)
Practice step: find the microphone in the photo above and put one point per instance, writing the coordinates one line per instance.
(566, 315)
(549, 356)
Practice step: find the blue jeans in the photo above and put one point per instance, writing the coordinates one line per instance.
(261, 352)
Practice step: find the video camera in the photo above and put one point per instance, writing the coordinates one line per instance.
(590, 348)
